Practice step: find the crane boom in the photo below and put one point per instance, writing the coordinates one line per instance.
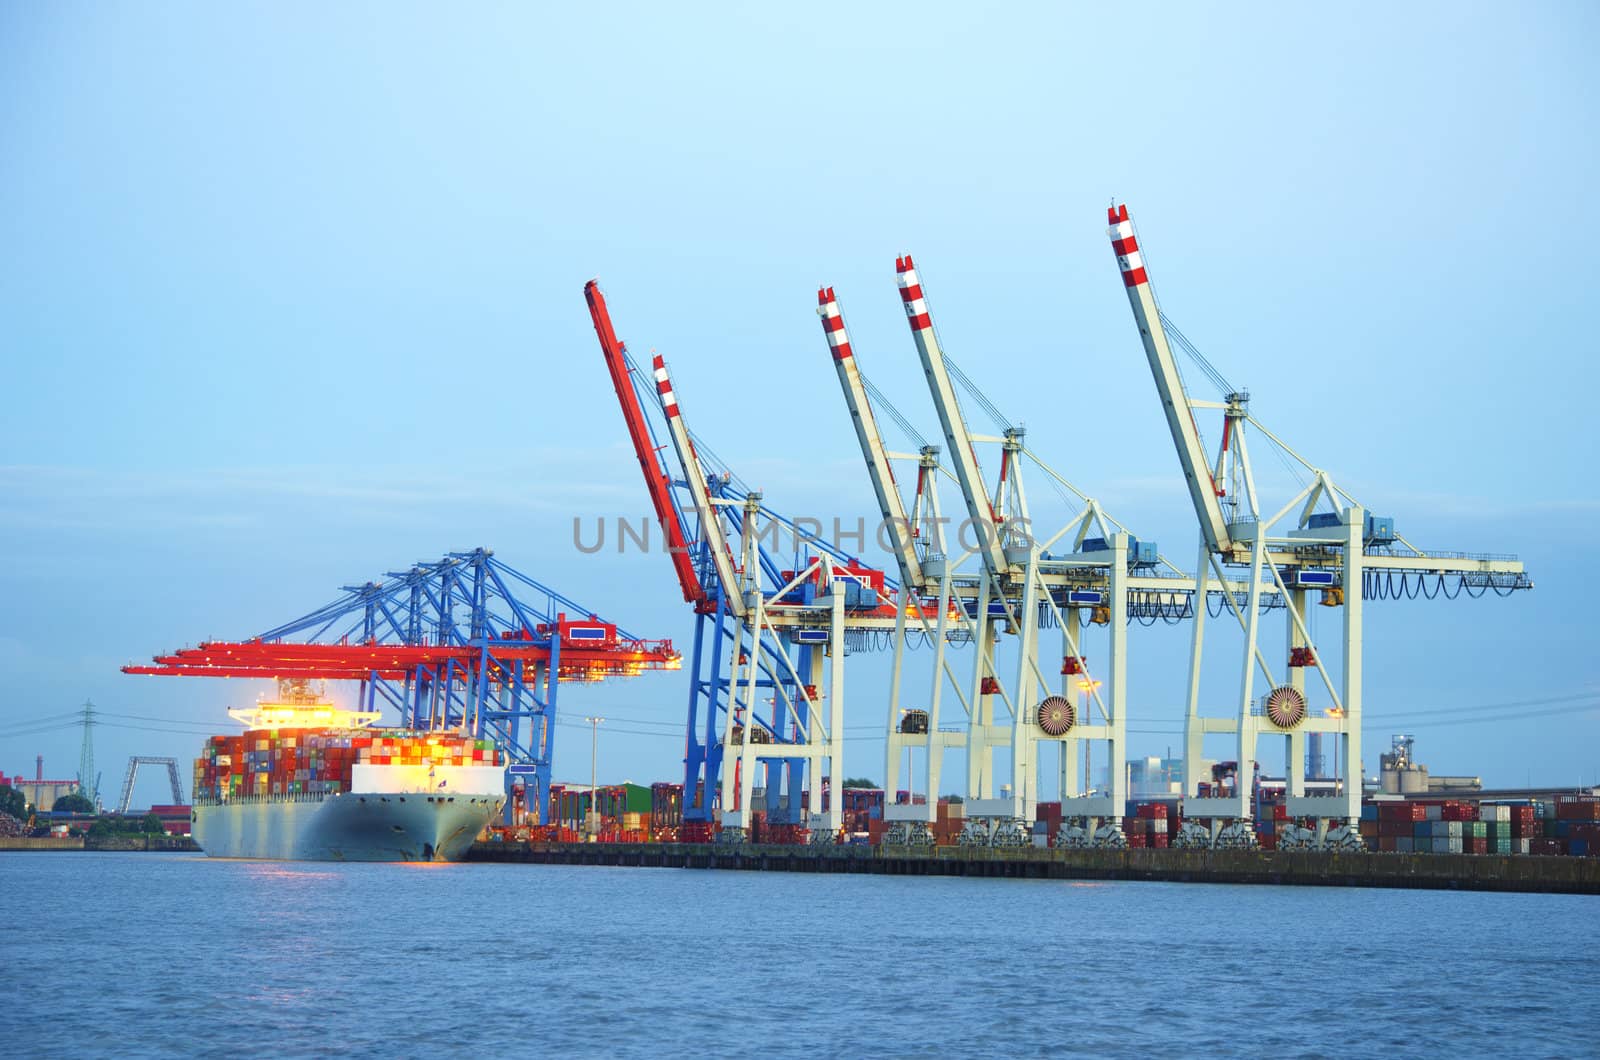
(657, 482)
(1180, 415)
(890, 504)
(985, 523)
(716, 540)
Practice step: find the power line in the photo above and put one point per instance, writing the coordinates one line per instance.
(1432, 722)
(1480, 707)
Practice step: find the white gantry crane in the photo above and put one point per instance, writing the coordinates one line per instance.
(1321, 543)
(916, 538)
(1018, 591)
(782, 705)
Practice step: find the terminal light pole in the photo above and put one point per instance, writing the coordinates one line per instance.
(594, 756)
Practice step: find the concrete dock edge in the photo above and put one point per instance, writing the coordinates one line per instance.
(1468, 872)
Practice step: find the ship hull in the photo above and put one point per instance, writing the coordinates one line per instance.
(364, 826)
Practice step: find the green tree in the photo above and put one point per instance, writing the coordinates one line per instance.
(103, 826)
(859, 782)
(13, 802)
(151, 823)
(72, 803)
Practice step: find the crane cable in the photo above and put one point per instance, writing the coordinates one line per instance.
(882, 401)
(1000, 420)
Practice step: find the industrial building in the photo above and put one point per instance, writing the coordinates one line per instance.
(40, 793)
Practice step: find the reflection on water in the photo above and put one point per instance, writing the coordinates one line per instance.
(277, 870)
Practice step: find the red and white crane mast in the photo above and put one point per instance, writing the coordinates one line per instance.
(1204, 489)
(890, 505)
(986, 812)
(694, 474)
(985, 522)
(912, 730)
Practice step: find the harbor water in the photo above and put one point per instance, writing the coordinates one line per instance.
(115, 954)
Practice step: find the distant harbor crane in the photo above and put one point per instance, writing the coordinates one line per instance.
(134, 763)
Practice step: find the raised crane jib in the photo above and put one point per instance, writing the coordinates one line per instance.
(1203, 490)
(890, 504)
(711, 529)
(964, 460)
(656, 480)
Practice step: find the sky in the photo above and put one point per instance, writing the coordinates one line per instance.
(292, 296)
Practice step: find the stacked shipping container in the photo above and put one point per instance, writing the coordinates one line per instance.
(265, 763)
(1152, 825)
(1567, 824)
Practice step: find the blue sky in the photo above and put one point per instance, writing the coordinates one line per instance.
(292, 296)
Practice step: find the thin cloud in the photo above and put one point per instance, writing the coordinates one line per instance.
(45, 497)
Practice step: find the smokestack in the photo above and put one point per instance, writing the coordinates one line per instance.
(38, 769)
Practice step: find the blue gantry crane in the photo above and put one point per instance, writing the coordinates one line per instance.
(462, 642)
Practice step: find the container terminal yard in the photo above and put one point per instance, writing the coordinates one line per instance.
(1022, 631)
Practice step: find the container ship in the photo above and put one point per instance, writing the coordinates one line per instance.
(308, 781)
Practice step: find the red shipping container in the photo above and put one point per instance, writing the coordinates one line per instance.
(1578, 808)
(1402, 811)
(1136, 840)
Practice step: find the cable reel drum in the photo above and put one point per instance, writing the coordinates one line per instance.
(1286, 707)
(1057, 715)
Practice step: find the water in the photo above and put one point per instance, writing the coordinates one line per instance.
(159, 954)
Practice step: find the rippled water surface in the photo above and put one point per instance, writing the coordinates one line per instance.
(160, 954)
